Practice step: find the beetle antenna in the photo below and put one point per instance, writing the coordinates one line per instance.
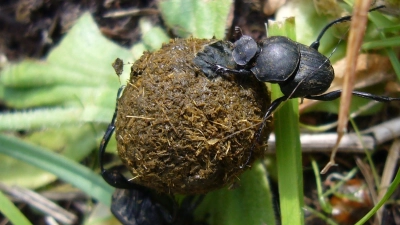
(315, 44)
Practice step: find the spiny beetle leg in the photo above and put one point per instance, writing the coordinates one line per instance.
(274, 105)
(112, 176)
(221, 70)
(336, 94)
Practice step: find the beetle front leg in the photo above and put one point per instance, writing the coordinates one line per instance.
(221, 70)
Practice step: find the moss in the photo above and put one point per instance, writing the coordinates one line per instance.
(180, 132)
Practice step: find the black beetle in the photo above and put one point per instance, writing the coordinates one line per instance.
(300, 70)
(142, 206)
(134, 204)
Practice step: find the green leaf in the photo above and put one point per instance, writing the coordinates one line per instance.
(198, 18)
(68, 141)
(250, 203)
(387, 42)
(391, 26)
(393, 187)
(152, 36)
(79, 176)
(76, 74)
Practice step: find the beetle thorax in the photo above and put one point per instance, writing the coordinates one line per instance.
(278, 60)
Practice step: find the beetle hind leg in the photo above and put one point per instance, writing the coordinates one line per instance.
(257, 137)
(336, 94)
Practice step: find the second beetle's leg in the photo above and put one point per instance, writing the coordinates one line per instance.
(112, 176)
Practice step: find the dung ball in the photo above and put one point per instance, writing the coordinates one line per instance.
(180, 130)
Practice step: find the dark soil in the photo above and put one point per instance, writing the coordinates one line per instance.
(30, 28)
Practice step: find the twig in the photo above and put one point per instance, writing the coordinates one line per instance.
(40, 203)
(388, 172)
(131, 12)
(370, 138)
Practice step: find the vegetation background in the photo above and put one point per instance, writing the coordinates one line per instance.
(57, 92)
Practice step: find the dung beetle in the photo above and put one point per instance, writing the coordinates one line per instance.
(142, 206)
(278, 59)
(134, 204)
(300, 70)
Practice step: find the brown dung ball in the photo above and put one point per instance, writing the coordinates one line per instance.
(181, 132)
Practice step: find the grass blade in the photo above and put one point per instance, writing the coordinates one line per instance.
(288, 148)
(9, 210)
(67, 170)
(392, 188)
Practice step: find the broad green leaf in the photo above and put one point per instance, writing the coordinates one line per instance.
(77, 76)
(197, 18)
(152, 37)
(250, 203)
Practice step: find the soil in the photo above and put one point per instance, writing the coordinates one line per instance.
(30, 28)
